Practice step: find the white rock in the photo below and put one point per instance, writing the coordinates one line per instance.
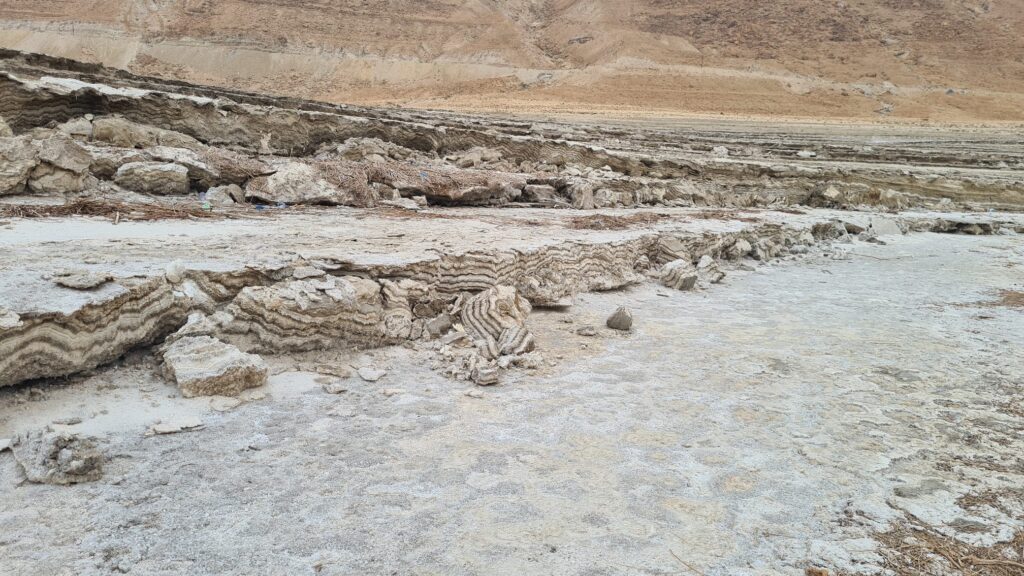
(174, 272)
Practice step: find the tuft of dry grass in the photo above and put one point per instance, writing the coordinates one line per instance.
(913, 547)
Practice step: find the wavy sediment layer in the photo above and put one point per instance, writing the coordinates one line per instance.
(52, 344)
(351, 304)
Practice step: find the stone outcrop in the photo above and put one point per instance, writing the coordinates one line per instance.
(334, 183)
(49, 457)
(163, 179)
(308, 315)
(205, 366)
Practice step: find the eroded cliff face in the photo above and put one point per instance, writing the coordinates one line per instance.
(790, 57)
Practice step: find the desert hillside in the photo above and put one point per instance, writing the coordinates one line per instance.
(949, 60)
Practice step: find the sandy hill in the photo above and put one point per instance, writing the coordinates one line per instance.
(955, 60)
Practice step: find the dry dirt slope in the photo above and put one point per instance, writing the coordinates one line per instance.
(852, 58)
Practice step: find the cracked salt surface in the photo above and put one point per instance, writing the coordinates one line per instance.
(766, 425)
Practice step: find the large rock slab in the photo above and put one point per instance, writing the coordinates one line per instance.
(205, 366)
(447, 185)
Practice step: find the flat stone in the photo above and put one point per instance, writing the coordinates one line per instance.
(371, 374)
(81, 279)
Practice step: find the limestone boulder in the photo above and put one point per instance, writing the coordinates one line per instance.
(164, 179)
(205, 366)
(311, 314)
(708, 271)
(542, 194)
(446, 185)
(210, 166)
(78, 128)
(63, 165)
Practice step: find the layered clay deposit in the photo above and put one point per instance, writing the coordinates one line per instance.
(194, 247)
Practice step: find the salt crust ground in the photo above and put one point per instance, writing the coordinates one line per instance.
(760, 427)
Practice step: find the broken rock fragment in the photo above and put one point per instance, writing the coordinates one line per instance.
(485, 376)
(708, 271)
(496, 320)
(679, 274)
(49, 457)
(621, 319)
(205, 366)
(225, 195)
(311, 314)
